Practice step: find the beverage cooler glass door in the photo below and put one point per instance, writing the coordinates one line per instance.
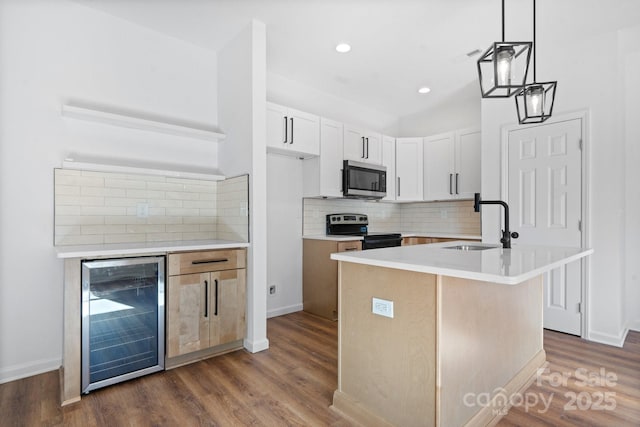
(122, 320)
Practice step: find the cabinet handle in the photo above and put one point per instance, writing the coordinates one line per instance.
(450, 183)
(206, 298)
(350, 249)
(215, 312)
(286, 129)
(398, 186)
(457, 183)
(209, 261)
(362, 148)
(291, 142)
(367, 149)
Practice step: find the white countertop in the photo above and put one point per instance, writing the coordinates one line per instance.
(404, 234)
(120, 249)
(506, 266)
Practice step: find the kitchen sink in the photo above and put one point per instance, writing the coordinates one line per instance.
(469, 247)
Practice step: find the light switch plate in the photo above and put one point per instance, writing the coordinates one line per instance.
(382, 307)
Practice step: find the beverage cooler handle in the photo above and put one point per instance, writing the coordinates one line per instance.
(215, 313)
(206, 298)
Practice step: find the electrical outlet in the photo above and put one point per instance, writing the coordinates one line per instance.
(382, 307)
(142, 210)
(272, 290)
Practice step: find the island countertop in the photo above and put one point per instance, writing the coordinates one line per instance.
(504, 266)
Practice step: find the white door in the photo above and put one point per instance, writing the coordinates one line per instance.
(374, 148)
(389, 161)
(304, 132)
(276, 124)
(354, 144)
(544, 196)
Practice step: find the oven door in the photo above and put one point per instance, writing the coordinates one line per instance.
(381, 241)
(362, 180)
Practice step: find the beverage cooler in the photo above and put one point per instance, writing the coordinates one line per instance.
(122, 319)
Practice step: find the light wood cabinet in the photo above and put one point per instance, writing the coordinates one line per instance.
(206, 302)
(292, 132)
(320, 275)
(362, 145)
(452, 165)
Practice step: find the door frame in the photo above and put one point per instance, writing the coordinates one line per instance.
(585, 209)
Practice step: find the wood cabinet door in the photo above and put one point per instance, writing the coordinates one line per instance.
(439, 167)
(188, 314)
(228, 306)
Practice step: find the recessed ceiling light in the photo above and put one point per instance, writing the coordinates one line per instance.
(424, 89)
(343, 48)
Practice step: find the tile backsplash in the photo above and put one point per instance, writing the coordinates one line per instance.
(104, 207)
(456, 217)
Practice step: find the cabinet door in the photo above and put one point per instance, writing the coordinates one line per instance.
(409, 158)
(389, 161)
(304, 132)
(331, 149)
(276, 123)
(354, 144)
(467, 164)
(439, 167)
(373, 145)
(228, 307)
(188, 314)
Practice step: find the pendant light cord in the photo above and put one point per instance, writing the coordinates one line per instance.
(534, 41)
(503, 20)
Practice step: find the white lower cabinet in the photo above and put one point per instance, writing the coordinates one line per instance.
(452, 165)
(409, 169)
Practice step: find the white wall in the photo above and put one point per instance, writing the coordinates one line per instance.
(586, 81)
(298, 95)
(49, 52)
(242, 101)
(630, 62)
(461, 110)
(284, 234)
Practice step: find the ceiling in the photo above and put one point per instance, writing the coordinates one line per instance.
(397, 46)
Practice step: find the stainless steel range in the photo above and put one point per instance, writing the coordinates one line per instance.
(352, 224)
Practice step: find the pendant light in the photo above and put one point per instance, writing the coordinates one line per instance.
(503, 68)
(535, 102)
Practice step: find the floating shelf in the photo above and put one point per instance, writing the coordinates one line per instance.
(147, 124)
(112, 165)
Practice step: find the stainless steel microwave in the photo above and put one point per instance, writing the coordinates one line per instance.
(364, 180)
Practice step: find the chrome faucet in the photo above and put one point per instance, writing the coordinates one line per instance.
(506, 235)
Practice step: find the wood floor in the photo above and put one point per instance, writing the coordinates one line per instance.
(292, 384)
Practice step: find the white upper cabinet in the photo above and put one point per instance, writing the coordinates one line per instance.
(362, 145)
(452, 165)
(389, 161)
(409, 169)
(323, 174)
(292, 132)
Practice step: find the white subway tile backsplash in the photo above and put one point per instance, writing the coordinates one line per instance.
(101, 207)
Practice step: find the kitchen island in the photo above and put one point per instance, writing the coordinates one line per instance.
(455, 326)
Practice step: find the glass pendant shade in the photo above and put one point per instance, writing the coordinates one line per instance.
(535, 102)
(503, 69)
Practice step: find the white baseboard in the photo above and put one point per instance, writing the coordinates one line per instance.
(634, 325)
(256, 346)
(24, 370)
(609, 339)
(280, 311)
